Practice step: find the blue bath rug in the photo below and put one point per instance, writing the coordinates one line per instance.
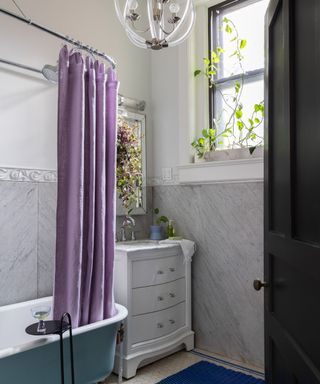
(208, 373)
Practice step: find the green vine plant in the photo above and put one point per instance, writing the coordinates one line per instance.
(238, 131)
(129, 164)
(159, 219)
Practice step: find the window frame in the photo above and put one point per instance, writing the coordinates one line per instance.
(212, 42)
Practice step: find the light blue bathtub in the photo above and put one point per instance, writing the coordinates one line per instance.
(26, 359)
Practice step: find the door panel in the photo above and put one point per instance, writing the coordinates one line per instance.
(281, 368)
(278, 138)
(292, 192)
(307, 119)
(291, 304)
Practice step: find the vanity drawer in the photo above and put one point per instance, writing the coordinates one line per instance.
(158, 297)
(157, 324)
(157, 271)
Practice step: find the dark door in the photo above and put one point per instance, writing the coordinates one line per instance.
(292, 192)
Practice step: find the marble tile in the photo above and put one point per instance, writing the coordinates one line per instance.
(226, 222)
(18, 241)
(46, 237)
(143, 222)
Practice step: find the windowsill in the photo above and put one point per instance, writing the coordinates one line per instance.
(228, 171)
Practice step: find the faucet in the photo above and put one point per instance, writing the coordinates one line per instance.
(130, 223)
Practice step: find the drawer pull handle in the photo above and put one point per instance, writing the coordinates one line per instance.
(160, 272)
(172, 295)
(160, 298)
(160, 325)
(172, 269)
(172, 321)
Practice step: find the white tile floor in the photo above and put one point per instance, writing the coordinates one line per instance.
(153, 373)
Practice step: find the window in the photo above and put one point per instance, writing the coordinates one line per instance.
(233, 122)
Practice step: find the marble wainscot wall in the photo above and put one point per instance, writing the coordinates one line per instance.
(28, 233)
(226, 222)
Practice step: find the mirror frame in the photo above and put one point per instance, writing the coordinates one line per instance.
(141, 118)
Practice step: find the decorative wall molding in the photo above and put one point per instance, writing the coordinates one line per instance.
(228, 171)
(212, 172)
(155, 181)
(28, 175)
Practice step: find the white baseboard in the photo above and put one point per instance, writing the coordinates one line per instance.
(228, 363)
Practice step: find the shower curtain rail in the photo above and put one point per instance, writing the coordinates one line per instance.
(68, 39)
(123, 101)
(18, 65)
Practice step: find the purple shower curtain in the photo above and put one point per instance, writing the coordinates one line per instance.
(86, 189)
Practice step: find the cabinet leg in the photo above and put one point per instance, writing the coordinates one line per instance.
(189, 343)
(130, 368)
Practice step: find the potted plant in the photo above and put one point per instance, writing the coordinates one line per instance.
(204, 144)
(237, 131)
(156, 230)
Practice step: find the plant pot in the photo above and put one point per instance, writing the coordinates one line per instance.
(196, 159)
(233, 154)
(156, 232)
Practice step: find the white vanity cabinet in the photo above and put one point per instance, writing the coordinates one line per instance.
(154, 282)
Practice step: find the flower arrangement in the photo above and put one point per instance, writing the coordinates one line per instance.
(129, 163)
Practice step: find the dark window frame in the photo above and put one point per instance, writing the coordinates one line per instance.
(212, 40)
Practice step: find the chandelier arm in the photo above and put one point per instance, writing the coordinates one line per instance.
(188, 31)
(161, 26)
(127, 27)
(122, 18)
(119, 13)
(185, 13)
(151, 21)
(134, 34)
(166, 33)
(139, 30)
(136, 42)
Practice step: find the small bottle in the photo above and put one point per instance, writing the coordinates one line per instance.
(170, 229)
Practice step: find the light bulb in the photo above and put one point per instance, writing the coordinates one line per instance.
(133, 5)
(174, 8)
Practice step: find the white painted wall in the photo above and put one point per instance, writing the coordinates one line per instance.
(28, 104)
(179, 102)
(165, 108)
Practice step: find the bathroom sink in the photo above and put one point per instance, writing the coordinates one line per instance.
(136, 242)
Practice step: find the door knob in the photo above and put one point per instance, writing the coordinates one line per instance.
(258, 284)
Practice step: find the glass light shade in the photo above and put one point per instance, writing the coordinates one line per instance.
(174, 8)
(156, 24)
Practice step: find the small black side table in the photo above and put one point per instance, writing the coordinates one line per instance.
(57, 327)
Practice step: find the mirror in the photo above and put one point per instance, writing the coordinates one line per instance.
(131, 163)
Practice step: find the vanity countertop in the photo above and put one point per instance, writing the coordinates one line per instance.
(136, 245)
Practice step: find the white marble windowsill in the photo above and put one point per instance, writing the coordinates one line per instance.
(242, 170)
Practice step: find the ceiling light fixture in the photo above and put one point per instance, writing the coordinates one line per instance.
(156, 24)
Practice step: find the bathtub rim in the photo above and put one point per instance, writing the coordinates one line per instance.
(40, 341)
